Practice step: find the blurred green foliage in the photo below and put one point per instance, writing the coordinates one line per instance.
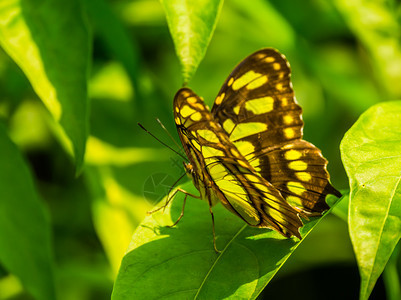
(345, 57)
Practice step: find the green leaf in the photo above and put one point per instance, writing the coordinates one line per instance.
(370, 152)
(50, 42)
(25, 247)
(191, 24)
(180, 262)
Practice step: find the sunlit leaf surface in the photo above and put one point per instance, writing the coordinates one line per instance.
(371, 154)
(50, 42)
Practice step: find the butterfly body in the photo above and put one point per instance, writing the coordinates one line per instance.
(221, 173)
(248, 152)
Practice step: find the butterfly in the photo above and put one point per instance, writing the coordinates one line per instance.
(247, 152)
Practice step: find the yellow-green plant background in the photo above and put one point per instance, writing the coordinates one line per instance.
(345, 57)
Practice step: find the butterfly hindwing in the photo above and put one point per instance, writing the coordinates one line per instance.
(257, 108)
(298, 171)
(223, 174)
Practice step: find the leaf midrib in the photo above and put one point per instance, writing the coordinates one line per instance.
(216, 261)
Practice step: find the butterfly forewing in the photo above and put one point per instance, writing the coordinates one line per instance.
(258, 92)
(257, 108)
(222, 173)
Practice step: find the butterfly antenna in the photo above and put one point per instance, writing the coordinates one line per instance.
(164, 144)
(169, 134)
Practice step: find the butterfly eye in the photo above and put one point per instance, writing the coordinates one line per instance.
(188, 168)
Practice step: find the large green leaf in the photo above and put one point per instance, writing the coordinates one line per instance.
(180, 262)
(371, 152)
(25, 247)
(191, 24)
(49, 41)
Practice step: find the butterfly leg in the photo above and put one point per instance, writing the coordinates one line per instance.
(183, 205)
(182, 212)
(159, 208)
(214, 232)
(170, 197)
